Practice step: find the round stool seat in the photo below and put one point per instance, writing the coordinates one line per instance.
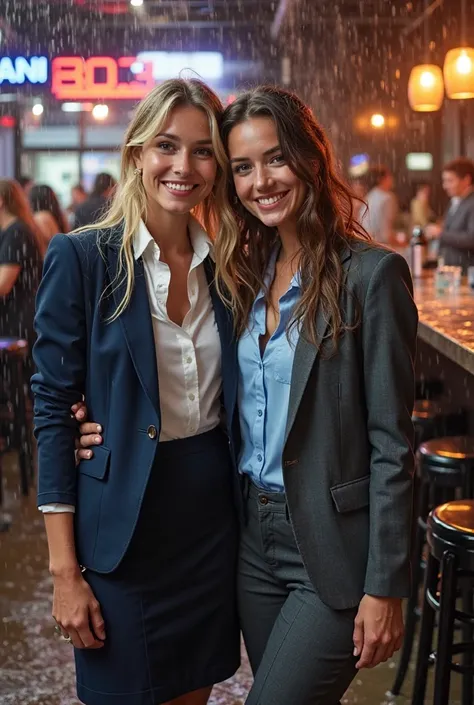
(449, 452)
(451, 526)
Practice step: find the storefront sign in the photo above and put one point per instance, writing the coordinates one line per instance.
(23, 70)
(168, 64)
(100, 78)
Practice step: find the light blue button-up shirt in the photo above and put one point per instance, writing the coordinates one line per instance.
(264, 387)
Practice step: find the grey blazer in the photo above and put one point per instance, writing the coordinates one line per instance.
(348, 456)
(457, 239)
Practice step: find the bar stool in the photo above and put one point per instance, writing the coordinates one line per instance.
(14, 416)
(445, 466)
(450, 534)
(426, 415)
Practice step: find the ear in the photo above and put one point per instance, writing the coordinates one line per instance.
(137, 156)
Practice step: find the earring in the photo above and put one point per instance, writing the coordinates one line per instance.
(137, 172)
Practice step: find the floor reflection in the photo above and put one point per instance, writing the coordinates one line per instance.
(36, 668)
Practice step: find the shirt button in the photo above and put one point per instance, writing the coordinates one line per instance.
(192, 397)
(263, 500)
(152, 432)
(259, 458)
(259, 412)
(189, 360)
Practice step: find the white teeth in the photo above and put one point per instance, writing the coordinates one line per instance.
(270, 201)
(179, 187)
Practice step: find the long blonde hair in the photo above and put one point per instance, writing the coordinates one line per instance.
(326, 224)
(129, 204)
(16, 203)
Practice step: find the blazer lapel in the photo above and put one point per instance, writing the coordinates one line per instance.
(137, 327)
(305, 356)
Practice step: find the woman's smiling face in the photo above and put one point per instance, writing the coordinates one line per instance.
(264, 182)
(178, 164)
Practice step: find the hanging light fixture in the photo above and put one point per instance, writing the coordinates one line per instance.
(426, 88)
(425, 85)
(459, 66)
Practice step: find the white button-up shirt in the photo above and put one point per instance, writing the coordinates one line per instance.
(188, 356)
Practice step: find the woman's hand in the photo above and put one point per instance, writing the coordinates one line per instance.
(378, 630)
(77, 612)
(90, 432)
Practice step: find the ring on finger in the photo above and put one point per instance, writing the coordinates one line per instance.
(66, 638)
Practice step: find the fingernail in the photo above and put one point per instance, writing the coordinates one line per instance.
(99, 429)
(355, 652)
(88, 454)
(80, 414)
(97, 439)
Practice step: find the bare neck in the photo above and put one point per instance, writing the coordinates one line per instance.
(170, 232)
(6, 219)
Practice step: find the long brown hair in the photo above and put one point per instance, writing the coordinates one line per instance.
(325, 224)
(129, 203)
(16, 203)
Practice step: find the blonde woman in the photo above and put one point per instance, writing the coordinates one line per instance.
(20, 262)
(142, 537)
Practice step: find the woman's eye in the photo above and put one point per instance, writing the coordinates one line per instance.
(166, 146)
(241, 168)
(205, 152)
(279, 158)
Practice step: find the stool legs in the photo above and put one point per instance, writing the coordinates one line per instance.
(412, 604)
(467, 635)
(445, 629)
(426, 634)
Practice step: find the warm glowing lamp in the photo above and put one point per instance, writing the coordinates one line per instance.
(426, 88)
(377, 120)
(459, 73)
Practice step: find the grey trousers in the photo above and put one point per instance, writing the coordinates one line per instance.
(300, 649)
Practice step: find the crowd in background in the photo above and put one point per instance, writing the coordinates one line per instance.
(450, 237)
(30, 215)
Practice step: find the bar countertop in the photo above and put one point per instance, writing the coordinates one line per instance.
(447, 320)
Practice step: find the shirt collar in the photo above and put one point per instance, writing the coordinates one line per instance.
(200, 241)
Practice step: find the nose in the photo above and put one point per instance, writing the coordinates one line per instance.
(182, 164)
(263, 179)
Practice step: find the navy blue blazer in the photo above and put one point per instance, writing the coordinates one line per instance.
(114, 366)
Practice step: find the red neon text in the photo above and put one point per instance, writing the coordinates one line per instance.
(75, 78)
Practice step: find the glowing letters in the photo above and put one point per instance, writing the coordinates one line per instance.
(22, 70)
(75, 78)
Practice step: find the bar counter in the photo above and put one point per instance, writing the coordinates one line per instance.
(446, 320)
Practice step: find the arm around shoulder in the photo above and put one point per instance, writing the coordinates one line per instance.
(60, 357)
(389, 330)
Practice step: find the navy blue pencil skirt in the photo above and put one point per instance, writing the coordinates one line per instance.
(170, 607)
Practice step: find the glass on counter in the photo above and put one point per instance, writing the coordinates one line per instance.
(447, 279)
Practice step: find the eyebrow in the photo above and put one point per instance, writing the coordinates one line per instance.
(177, 139)
(265, 154)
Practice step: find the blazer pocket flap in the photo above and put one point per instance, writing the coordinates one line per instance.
(98, 465)
(353, 495)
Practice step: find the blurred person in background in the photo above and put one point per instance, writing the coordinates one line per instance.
(26, 183)
(421, 212)
(95, 206)
(378, 219)
(359, 189)
(47, 214)
(20, 263)
(78, 196)
(456, 233)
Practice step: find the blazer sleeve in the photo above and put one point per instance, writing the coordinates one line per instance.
(461, 238)
(389, 330)
(60, 357)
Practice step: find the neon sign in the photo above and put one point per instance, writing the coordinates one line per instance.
(100, 77)
(22, 70)
(168, 64)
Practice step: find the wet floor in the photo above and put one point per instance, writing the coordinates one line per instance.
(36, 668)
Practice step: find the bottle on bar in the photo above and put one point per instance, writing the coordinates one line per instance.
(418, 246)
